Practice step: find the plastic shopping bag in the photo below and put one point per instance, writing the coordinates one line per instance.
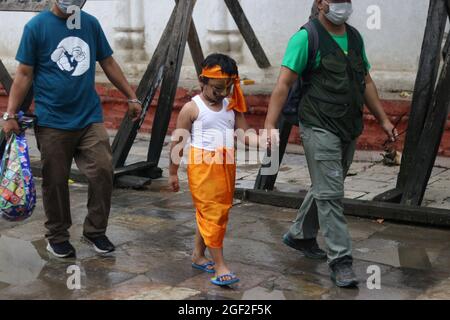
(17, 189)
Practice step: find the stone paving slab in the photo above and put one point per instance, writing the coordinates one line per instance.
(152, 260)
(154, 229)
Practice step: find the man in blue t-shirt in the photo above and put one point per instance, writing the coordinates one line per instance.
(60, 63)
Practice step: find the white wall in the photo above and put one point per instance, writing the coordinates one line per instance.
(393, 48)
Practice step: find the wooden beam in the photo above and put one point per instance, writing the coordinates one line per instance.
(171, 77)
(358, 208)
(195, 47)
(146, 91)
(393, 195)
(430, 139)
(26, 5)
(140, 169)
(132, 182)
(247, 32)
(424, 86)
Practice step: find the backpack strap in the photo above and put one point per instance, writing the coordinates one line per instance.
(290, 109)
(355, 37)
(313, 45)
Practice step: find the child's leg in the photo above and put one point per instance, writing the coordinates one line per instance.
(220, 266)
(198, 256)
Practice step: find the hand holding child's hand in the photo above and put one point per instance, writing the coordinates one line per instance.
(174, 183)
(273, 138)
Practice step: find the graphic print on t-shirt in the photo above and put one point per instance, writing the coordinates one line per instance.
(72, 56)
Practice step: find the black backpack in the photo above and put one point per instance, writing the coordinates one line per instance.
(290, 108)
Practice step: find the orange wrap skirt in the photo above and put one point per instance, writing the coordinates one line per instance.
(211, 178)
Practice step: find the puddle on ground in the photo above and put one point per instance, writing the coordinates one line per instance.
(21, 261)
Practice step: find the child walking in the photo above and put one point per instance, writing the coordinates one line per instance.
(210, 120)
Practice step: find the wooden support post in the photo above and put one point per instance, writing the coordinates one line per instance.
(146, 91)
(424, 87)
(267, 182)
(171, 77)
(428, 145)
(195, 47)
(358, 208)
(247, 32)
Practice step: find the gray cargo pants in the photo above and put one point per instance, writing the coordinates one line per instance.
(328, 162)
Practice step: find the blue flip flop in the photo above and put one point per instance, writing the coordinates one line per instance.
(221, 283)
(204, 267)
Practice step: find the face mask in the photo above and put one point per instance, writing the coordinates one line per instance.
(64, 5)
(339, 12)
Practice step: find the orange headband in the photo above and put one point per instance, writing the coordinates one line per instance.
(237, 102)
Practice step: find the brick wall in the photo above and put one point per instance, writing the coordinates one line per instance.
(114, 106)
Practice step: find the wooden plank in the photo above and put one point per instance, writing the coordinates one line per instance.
(140, 169)
(424, 86)
(171, 77)
(430, 139)
(393, 195)
(133, 167)
(358, 208)
(132, 182)
(267, 182)
(247, 32)
(146, 91)
(26, 5)
(195, 47)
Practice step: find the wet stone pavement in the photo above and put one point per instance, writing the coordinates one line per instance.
(153, 230)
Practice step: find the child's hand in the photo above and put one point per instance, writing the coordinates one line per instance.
(273, 138)
(174, 183)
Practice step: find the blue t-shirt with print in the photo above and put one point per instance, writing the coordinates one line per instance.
(64, 62)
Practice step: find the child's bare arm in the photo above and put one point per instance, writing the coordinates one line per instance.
(245, 135)
(187, 116)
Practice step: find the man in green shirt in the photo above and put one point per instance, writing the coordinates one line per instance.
(331, 119)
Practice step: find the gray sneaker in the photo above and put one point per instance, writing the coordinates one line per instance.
(342, 272)
(308, 247)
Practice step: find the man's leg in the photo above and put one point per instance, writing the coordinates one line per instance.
(303, 232)
(57, 148)
(306, 225)
(199, 259)
(328, 161)
(94, 158)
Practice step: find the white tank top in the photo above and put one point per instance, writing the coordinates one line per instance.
(213, 130)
